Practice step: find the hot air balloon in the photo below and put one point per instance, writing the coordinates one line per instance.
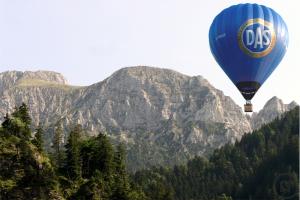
(248, 41)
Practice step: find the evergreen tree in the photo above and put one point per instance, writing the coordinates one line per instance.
(97, 153)
(73, 163)
(38, 138)
(119, 159)
(87, 156)
(104, 155)
(122, 188)
(23, 113)
(25, 173)
(105, 171)
(5, 124)
(19, 123)
(57, 145)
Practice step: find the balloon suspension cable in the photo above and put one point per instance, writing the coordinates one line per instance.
(248, 106)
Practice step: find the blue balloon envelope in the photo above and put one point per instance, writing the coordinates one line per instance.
(248, 41)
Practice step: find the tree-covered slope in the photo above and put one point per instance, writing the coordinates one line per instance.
(26, 171)
(83, 168)
(263, 165)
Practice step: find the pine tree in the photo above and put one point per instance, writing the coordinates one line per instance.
(23, 113)
(38, 138)
(25, 173)
(6, 124)
(104, 154)
(73, 163)
(122, 187)
(57, 145)
(87, 157)
(97, 153)
(19, 123)
(119, 160)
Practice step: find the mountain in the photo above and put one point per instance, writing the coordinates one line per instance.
(10, 79)
(272, 109)
(46, 93)
(164, 117)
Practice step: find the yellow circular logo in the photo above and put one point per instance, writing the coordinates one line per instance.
(256, 37)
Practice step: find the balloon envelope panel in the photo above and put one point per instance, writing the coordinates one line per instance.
(248, 41)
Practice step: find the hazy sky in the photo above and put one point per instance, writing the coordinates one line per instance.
(88, 40)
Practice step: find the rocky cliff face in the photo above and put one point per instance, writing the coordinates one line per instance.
(46, 94)
(272, 109)
(163, 116)
(12, 78)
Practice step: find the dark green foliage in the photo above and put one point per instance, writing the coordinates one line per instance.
(97, 154)
(73, 161)
(263, 165)
(57, 146)
(18, 124)
(102, 171)
(91, 169)
(103, 155)
(94, 188)
(155, 184)
(105, 171)
(25, 172)
(122, 186)
(23, 114)
(38, 138)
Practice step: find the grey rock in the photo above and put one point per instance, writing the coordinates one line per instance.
(272, 109)
(164, 117)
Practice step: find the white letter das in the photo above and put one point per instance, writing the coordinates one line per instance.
(258, 38)
(250, 37)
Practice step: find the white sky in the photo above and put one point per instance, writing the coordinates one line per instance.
(88, 40)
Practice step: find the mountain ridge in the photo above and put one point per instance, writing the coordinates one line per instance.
(273, 108)
(163, 116)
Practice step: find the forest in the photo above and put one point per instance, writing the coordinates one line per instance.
(263, 165)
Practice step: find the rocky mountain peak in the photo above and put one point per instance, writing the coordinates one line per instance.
(272, 109)
(274, 104)
(48, 76)
(292, 105)
(146, 74)
(149, 72)
(10, 79)
(152, 78)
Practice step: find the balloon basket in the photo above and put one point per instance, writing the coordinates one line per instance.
(248, 107)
